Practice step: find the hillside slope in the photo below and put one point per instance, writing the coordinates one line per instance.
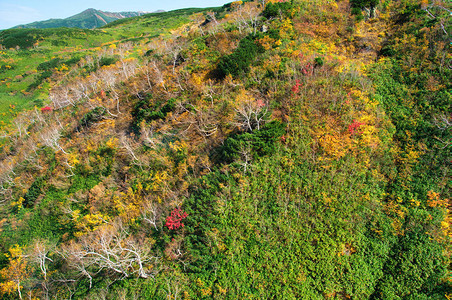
(299, 150)
(29, 57)
(88, 19)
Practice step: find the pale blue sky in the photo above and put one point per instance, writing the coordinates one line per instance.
(16, 12)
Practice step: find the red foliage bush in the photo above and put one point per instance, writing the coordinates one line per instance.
(308, 70)
(296, 87)
(173, 221)
(354, 126)
(46, 109)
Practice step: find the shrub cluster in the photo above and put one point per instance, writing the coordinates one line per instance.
(239, 61)
(277, 9)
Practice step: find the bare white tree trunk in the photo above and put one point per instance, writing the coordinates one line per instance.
(110, 248)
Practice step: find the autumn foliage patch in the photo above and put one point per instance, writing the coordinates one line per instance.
(352, 128)
(296, 87)
(46, 109)
(173, 221)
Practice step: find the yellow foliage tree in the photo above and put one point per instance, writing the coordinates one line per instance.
(15, 273)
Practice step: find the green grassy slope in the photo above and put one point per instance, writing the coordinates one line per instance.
(24, 86)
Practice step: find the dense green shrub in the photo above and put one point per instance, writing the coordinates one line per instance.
(149, 52)
(146, 110)
(56, 62)
(364, 3)
(318, 61)
(26, 38)
(40, 79)
(106, 61)
(73, 60)
(259, 142)
(18, 37)
(92, 116)
(59, 43)
(33, 192)
(415, 265)
(358, 5)
(273, 10)
(239, 61)
(235, 228)
(48, 65)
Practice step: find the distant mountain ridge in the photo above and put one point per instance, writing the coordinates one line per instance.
(88, 19)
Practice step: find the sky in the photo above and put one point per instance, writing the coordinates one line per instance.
(17, 12)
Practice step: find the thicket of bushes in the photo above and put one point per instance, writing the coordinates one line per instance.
(239, 61)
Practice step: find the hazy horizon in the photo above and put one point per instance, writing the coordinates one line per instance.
(19, 12)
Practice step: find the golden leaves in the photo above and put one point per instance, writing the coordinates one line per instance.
(16, 271)
(267, 42)
(334, 142)
(434, 200)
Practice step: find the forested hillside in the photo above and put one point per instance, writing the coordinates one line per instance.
(261, 150)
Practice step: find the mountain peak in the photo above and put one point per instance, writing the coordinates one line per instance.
(87, 19)
(89, 11)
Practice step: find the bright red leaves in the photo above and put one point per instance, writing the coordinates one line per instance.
(354, 126)
(46, 109)
(296, 87)
(173, 221)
